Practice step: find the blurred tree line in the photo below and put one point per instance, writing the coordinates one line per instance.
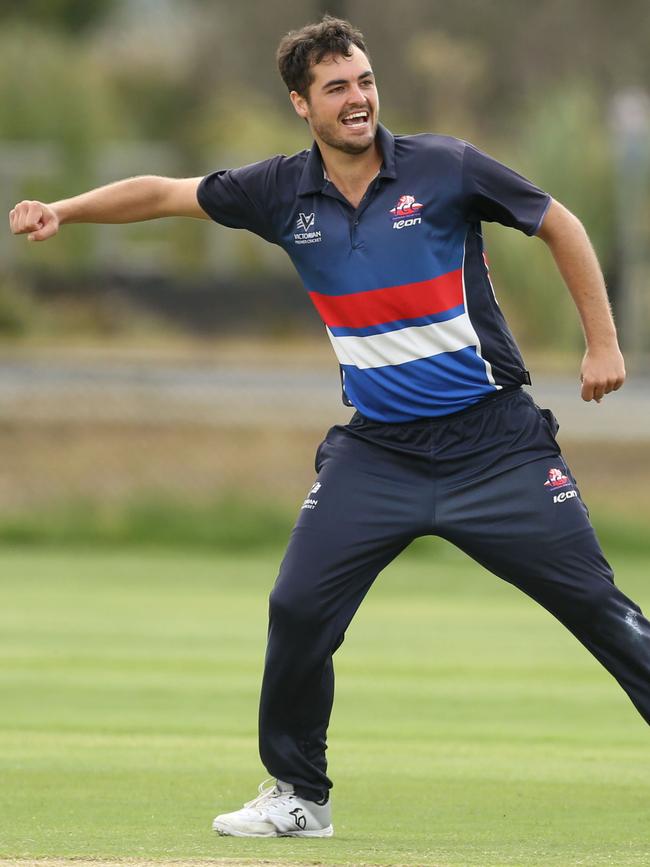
(529, 82)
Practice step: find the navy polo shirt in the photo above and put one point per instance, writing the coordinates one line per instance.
(400, 282)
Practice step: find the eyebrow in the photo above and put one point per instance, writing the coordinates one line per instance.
(336, 81)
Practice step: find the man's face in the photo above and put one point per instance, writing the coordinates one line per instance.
(342, 105)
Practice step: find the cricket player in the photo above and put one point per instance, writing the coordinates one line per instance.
(385, 232)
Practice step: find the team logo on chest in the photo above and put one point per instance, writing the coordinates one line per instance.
(406, 213)
(307, 234)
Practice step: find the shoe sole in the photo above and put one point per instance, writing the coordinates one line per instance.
(227, 831)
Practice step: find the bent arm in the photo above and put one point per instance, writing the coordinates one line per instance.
(128, 201)
(603, 368)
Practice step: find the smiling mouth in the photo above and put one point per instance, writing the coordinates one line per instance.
(356, 118)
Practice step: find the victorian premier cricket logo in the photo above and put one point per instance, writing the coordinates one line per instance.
(308, 235)
(406, 213)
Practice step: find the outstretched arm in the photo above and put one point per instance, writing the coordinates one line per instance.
(128, 201)
(603, 368)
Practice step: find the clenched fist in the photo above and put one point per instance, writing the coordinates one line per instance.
(41, 221)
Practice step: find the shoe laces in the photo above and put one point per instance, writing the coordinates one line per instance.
(266, 793)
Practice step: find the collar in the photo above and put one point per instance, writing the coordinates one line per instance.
(313, 179)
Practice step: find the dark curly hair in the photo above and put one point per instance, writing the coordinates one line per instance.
(301, 49)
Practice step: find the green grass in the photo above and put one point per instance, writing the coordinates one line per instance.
(230, 523)
(469, 727)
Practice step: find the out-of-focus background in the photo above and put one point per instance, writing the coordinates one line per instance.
(163, 388)
(172, 374)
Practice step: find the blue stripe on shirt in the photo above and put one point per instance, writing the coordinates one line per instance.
(425, 388)
(384, 327)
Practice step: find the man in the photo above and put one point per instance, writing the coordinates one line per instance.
(386, 233)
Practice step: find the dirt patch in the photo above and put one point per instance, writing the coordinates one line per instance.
(613, 477)
(45, 465)
(113, 463)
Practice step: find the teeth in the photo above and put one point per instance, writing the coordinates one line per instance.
(356, 118)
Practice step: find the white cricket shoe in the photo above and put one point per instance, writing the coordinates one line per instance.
(277, 812)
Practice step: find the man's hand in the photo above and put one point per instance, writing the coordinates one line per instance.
(602, 371)
(40, 220)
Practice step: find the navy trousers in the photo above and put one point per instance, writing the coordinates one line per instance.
(492, 481)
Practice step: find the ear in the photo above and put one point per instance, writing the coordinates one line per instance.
(300, 104)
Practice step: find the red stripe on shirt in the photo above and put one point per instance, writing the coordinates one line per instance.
(408, 301)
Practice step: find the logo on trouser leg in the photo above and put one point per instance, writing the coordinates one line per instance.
(556, 479)
(310, 502)
(564, 495)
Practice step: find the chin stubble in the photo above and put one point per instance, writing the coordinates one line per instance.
(348, 147)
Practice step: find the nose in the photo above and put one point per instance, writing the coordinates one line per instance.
(357, 95)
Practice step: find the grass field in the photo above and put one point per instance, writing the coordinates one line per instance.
(469, 728)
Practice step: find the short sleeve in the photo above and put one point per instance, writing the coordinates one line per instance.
(494, 193)
(241, 198)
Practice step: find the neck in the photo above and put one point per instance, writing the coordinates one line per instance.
(348, 171)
